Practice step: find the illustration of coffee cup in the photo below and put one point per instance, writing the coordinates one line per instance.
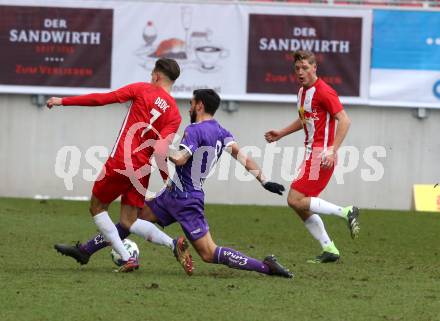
(208, 56)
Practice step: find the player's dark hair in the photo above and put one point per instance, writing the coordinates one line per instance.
(169, 67)
(209, 98)
(304, 55)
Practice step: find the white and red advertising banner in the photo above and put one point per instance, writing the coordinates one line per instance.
(244, 51)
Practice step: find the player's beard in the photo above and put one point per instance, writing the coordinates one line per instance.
(193, 116)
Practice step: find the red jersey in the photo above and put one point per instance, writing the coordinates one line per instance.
(317, 106)
(153, 114)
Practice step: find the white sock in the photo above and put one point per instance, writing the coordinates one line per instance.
(110, 232)
(320, 206)
(151, 233)
(315, 225)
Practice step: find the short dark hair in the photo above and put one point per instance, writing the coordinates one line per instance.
(209, 98)
(169, 67)
(304, 55)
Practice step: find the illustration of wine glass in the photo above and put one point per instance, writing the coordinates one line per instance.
(149, 34)
(186, 23)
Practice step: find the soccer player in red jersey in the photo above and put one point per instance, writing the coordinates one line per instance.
(150, 124)
(318, 108)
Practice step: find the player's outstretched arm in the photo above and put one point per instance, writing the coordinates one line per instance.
(252, 167)
(97, 99)
(84, 100)
(274, 135)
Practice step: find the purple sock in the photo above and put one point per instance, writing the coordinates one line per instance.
(237, 260)
(97, 242)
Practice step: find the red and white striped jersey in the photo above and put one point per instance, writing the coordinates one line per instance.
(153, 114)
(317, 106)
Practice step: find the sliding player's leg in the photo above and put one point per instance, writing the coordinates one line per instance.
(189, 213)
(211, 253)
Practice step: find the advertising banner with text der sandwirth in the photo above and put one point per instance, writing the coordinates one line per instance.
(335, 40)
(44, 48)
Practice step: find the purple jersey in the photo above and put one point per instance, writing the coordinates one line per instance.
(205, 142)
(184, 201)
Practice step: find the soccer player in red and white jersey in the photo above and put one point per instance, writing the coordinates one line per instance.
(149, 126)
(318, 108)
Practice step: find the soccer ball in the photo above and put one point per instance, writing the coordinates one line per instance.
(132, 249)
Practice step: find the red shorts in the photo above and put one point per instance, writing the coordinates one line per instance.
(312, 178)
(111, 184)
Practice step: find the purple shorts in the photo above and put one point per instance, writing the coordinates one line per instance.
(185, 208)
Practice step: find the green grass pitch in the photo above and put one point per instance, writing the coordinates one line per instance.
(391, 273)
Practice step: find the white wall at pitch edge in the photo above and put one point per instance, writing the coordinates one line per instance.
(30, 138)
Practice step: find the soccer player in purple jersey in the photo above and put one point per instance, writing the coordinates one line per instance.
(183, 200)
